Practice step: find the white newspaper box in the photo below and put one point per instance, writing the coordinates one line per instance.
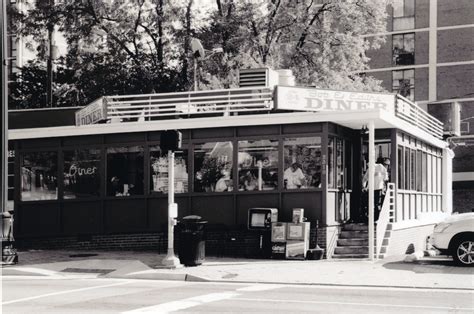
(297, 240)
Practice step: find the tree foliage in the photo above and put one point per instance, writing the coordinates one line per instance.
(143, 46)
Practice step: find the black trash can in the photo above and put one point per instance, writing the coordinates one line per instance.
(191, 243)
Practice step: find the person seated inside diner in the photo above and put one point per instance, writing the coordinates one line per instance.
(224, 183)
(293, 177)
(250, 182)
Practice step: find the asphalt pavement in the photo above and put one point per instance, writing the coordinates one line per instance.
(427, 273)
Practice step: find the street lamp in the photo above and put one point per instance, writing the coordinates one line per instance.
(199, 53)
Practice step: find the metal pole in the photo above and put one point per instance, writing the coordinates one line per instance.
(195, 74)
(371, 187)
(49, 70)
(171, 260)
(4, 61)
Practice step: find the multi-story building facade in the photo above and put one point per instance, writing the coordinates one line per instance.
(428, 56)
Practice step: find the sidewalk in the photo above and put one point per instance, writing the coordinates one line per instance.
(436, 272)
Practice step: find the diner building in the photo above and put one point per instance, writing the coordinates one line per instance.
(98, 179)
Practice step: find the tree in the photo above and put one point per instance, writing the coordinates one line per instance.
(322, 43)
(143, 46)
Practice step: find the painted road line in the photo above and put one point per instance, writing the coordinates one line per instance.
(65, 292)
(184, 304)
(429, 307)
(261, 287)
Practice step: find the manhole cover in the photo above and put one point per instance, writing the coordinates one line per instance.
(83, 255)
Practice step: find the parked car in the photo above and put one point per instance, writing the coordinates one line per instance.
(455, 236)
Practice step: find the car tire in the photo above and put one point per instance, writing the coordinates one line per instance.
(463, 251)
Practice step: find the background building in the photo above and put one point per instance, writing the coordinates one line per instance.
(428, 57)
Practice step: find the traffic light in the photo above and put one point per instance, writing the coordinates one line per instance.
(170, 140)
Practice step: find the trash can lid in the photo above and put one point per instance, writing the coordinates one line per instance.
(192, 217)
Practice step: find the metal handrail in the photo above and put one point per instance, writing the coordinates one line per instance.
(385, 218)
(413, 114)
(218, 102)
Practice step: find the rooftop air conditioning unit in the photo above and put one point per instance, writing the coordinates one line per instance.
(449, 114)
(263, 77)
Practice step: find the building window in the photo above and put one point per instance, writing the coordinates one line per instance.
(413, 170)
(302, 163)
(401, 180)
(403, 14)
(81, 173)
(39, 176)
(403, 83)
(213, 167)
(125, 171)
(403, 49)
(258, 165)
(159, 171)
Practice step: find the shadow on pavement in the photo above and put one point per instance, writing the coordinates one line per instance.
(430, 265)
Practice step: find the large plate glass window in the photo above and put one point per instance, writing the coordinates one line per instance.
(125, 171)
(213, 167)
(302, 163)
(159, 171)
(39, 172)
(258, 165)
(81, 173)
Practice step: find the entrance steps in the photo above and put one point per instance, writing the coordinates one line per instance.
(353, 242)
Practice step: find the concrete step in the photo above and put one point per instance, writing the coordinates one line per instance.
(352, 242)
(354, 234)
(350, 256)
(354, 256)
(355, 227)
(351, 250)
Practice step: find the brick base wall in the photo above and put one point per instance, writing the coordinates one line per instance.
(409, 240)
(229, 243)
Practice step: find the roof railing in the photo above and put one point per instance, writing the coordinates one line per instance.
(165, 105)
(413, 114)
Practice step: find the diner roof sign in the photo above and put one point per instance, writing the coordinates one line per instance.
(93, 113)
(313, 99)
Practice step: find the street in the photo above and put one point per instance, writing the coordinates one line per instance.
(39, 294)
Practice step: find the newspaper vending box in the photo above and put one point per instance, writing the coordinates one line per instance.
(279, 240)
(297, 240)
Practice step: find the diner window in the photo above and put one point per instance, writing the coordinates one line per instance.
(403, 83)
(81, 173)
(407, 169)
(403, 49)
(125, 171)
(213, 167)
(302, 163)
(39, 172)
(258, 165)
(419, 170)
(330, 163)
(400, 168)
(403, 14)
(424, 161)
(159, 171)
(413, 169)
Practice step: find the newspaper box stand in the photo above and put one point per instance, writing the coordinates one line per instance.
(297, 240)
(279, 240)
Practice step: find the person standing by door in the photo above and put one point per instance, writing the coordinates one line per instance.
(380, 178)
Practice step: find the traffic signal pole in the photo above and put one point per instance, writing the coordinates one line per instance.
(171, 260)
